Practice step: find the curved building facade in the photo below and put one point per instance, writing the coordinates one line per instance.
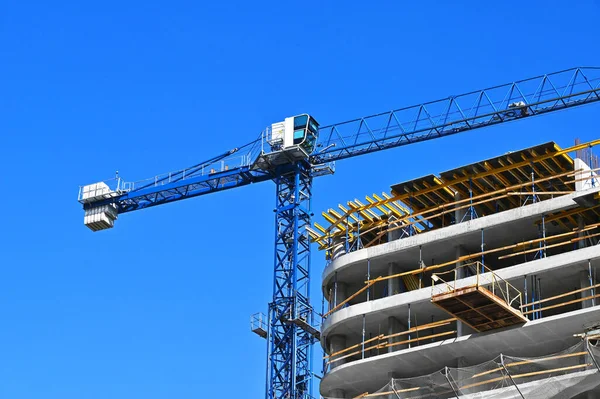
(447, 272)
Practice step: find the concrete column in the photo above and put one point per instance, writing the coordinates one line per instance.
(336, 344)
(337, 393)
(340, 292)
(461, 328)
(394, 285)
(459, 213)
(395, 326)
(584, 282)
(339, 248)
(394, 234)
(580, 225)
(461, 378)
(591, 178)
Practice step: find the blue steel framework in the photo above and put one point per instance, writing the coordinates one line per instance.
(289, 345)
(290, 335)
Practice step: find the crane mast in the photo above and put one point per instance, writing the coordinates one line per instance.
(291, 153)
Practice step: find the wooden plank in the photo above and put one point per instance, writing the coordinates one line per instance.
(571, 241)
(422, 327)
(520, 363)
(378, 346)
(408, 341)
(562, 304)
(551, 371)
(382, 337)
(559, 296)
(541, 192)
(479, 254)
(353, 346)
(350, 298)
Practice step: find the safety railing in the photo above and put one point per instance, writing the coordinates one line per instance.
(535, 248)
(259, 324)
(380, 344)
(456, 279)
(568, 373)
(534, 309)
(106, 188)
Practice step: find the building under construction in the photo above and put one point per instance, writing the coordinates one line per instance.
(478, 282)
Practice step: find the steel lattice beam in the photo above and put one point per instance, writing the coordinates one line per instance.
(289, 359)
(456, 114)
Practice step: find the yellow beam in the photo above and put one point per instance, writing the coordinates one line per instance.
(345, 210)
(366, 208)
(362, 213)
(333, 222)
(320, 228)
(381, 208)
(559, 153)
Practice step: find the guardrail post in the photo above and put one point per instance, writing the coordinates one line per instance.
(482, 255)
(363, 336)
(347, 235)
(450, 382)
(526, 300)
(509, 376)
(587, 347)
(335, 289)
(420, 266)
(592, 292)
(409, 343)
(358, 232)
(544, 233)
(368, 278)
(539, 282)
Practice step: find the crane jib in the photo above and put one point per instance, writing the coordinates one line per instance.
(294, 151)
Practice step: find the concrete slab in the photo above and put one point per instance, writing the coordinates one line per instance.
(537, 338)
(499, 227)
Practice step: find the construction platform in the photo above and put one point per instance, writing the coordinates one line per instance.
(479, 308)
(485, 305)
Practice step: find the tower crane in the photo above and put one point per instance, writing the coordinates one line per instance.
(293, 152)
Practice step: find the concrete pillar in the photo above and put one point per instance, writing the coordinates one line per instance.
(461, 328)
(584, 282)
(337, 393)
(586, 178)
(581, 235)
(395, 326)
(336, 344)
(459, 213)
(461, 378)
(340, 291)
(395, 233)
(338, 294)
(339, 248)
(394, 285)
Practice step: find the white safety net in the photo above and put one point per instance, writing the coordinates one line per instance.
(562, 375)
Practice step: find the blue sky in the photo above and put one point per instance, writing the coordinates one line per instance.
(159, 307)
